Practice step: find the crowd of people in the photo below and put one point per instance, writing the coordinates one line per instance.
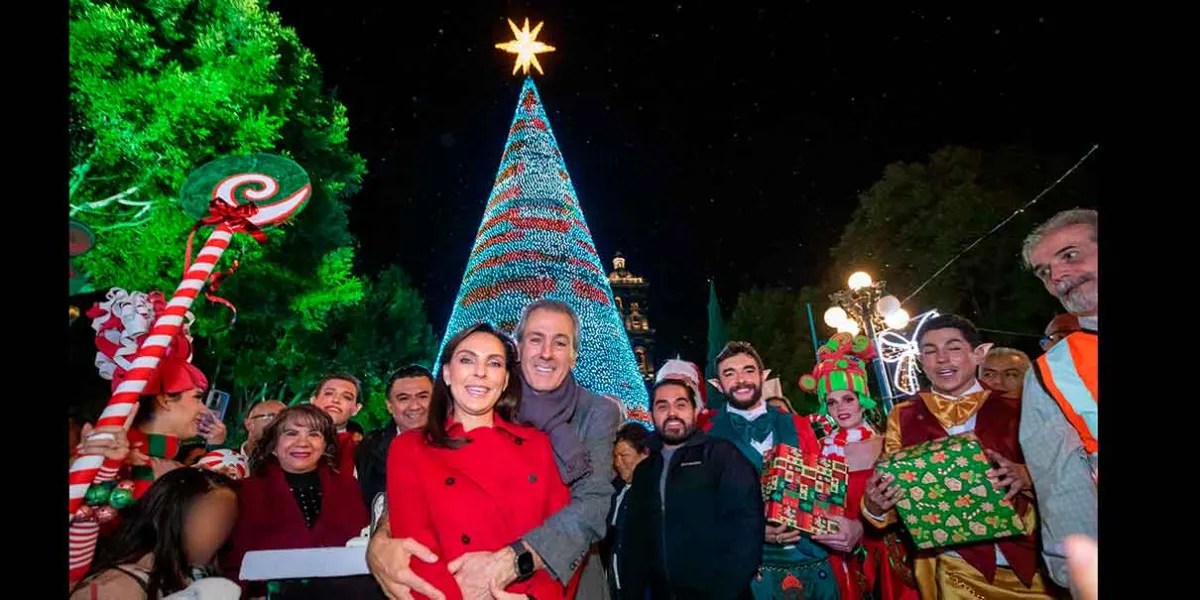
(501, 477)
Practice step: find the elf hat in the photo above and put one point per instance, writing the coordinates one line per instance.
(677, 368)
(841, 365)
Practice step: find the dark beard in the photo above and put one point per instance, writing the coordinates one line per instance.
(749, 403)
(672, 440)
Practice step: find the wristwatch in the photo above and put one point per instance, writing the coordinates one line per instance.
(523, 561)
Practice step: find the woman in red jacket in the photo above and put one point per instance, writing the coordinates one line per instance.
(471, 479)
(296, 497)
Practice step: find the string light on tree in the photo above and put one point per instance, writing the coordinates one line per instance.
(534, 243)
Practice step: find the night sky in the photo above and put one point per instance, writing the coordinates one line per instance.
(703, 141)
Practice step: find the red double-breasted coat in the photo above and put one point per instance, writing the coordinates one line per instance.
(269, 517)
(481, 496)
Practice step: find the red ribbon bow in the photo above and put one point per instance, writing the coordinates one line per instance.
(237, 218)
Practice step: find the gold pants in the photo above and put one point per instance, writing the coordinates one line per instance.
(945, 577)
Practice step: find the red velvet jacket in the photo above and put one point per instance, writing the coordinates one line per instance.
(996, 429)
(481, 496)
(269, 518)
(347, 448)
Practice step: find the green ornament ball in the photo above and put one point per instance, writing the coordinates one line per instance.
(97, 495)
(121, 498)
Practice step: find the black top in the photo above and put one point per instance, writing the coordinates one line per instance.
(306, 488)
(371, 461)
(705, 541)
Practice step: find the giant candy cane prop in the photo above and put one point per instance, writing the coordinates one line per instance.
(89, 470)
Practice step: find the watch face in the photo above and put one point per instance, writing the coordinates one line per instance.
(525, 563)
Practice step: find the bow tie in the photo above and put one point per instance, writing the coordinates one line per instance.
(950, 413)
(756, 430)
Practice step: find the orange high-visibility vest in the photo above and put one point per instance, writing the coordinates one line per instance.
(1069, 373)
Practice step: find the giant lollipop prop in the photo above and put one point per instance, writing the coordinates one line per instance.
(241, 193)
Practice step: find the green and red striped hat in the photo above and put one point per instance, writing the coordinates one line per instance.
(841, 365)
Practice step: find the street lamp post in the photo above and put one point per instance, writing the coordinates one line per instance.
(864, 307)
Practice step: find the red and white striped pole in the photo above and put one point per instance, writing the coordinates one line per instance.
(88, 470)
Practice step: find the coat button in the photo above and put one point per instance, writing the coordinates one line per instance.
(532, 478)
(449, 481)
(466, 539)
(821, 574)
(519, 441)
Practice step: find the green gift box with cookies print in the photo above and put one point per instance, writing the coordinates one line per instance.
(947, 498)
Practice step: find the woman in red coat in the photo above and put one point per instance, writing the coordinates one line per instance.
(471, 479)
(296, 497)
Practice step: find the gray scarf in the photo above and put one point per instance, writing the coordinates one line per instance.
(552, 412)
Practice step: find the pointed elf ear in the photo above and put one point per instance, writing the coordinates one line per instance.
(766, 374)
(715, 383)
(981, 351)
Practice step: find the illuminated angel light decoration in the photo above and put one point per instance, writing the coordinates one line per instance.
(526, 47)
(904, 353)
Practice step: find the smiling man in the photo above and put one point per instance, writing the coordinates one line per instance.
(408, 391)
(340, 396)
(581, 426)
(1060, 431)
(694, 512)
(789, 561)
(951, 351)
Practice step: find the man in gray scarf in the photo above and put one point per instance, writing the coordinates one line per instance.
(581, 426)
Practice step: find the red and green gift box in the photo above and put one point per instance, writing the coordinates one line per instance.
(803, 492)
(947, 498)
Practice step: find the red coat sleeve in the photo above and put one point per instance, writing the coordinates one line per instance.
(808, 439)
(408, 511)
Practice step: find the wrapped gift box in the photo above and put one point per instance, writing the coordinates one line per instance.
(947, 498)
(803, 492)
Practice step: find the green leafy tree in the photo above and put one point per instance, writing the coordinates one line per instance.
(160, 87)
(920, 215)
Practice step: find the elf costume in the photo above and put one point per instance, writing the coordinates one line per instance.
(879, 567)
(801, 570)
(120, 323)
(1003, 568)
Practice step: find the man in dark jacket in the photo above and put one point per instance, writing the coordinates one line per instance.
(695, 511)
(408, 391)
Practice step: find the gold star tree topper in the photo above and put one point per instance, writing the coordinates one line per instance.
(526, 47)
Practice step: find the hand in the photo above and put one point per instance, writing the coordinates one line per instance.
(847, 536)
(1083, 564)
(1007, 475)
(388, 559)
(781, 534)
(882, 494)
(110, 441)
(499, 594)
(477, 572)
(213, 430)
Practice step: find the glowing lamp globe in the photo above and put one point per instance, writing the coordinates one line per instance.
(898, 319)
(859, 281)
(887, 305)
(835, 316)
(848, 326)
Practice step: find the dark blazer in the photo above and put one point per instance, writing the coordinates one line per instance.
(610, 546)
(371, 462)
(710, 545)
(270, 519)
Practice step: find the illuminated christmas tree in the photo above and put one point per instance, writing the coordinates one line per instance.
(534, 243)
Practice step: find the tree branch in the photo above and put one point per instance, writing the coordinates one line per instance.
(95, 204)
